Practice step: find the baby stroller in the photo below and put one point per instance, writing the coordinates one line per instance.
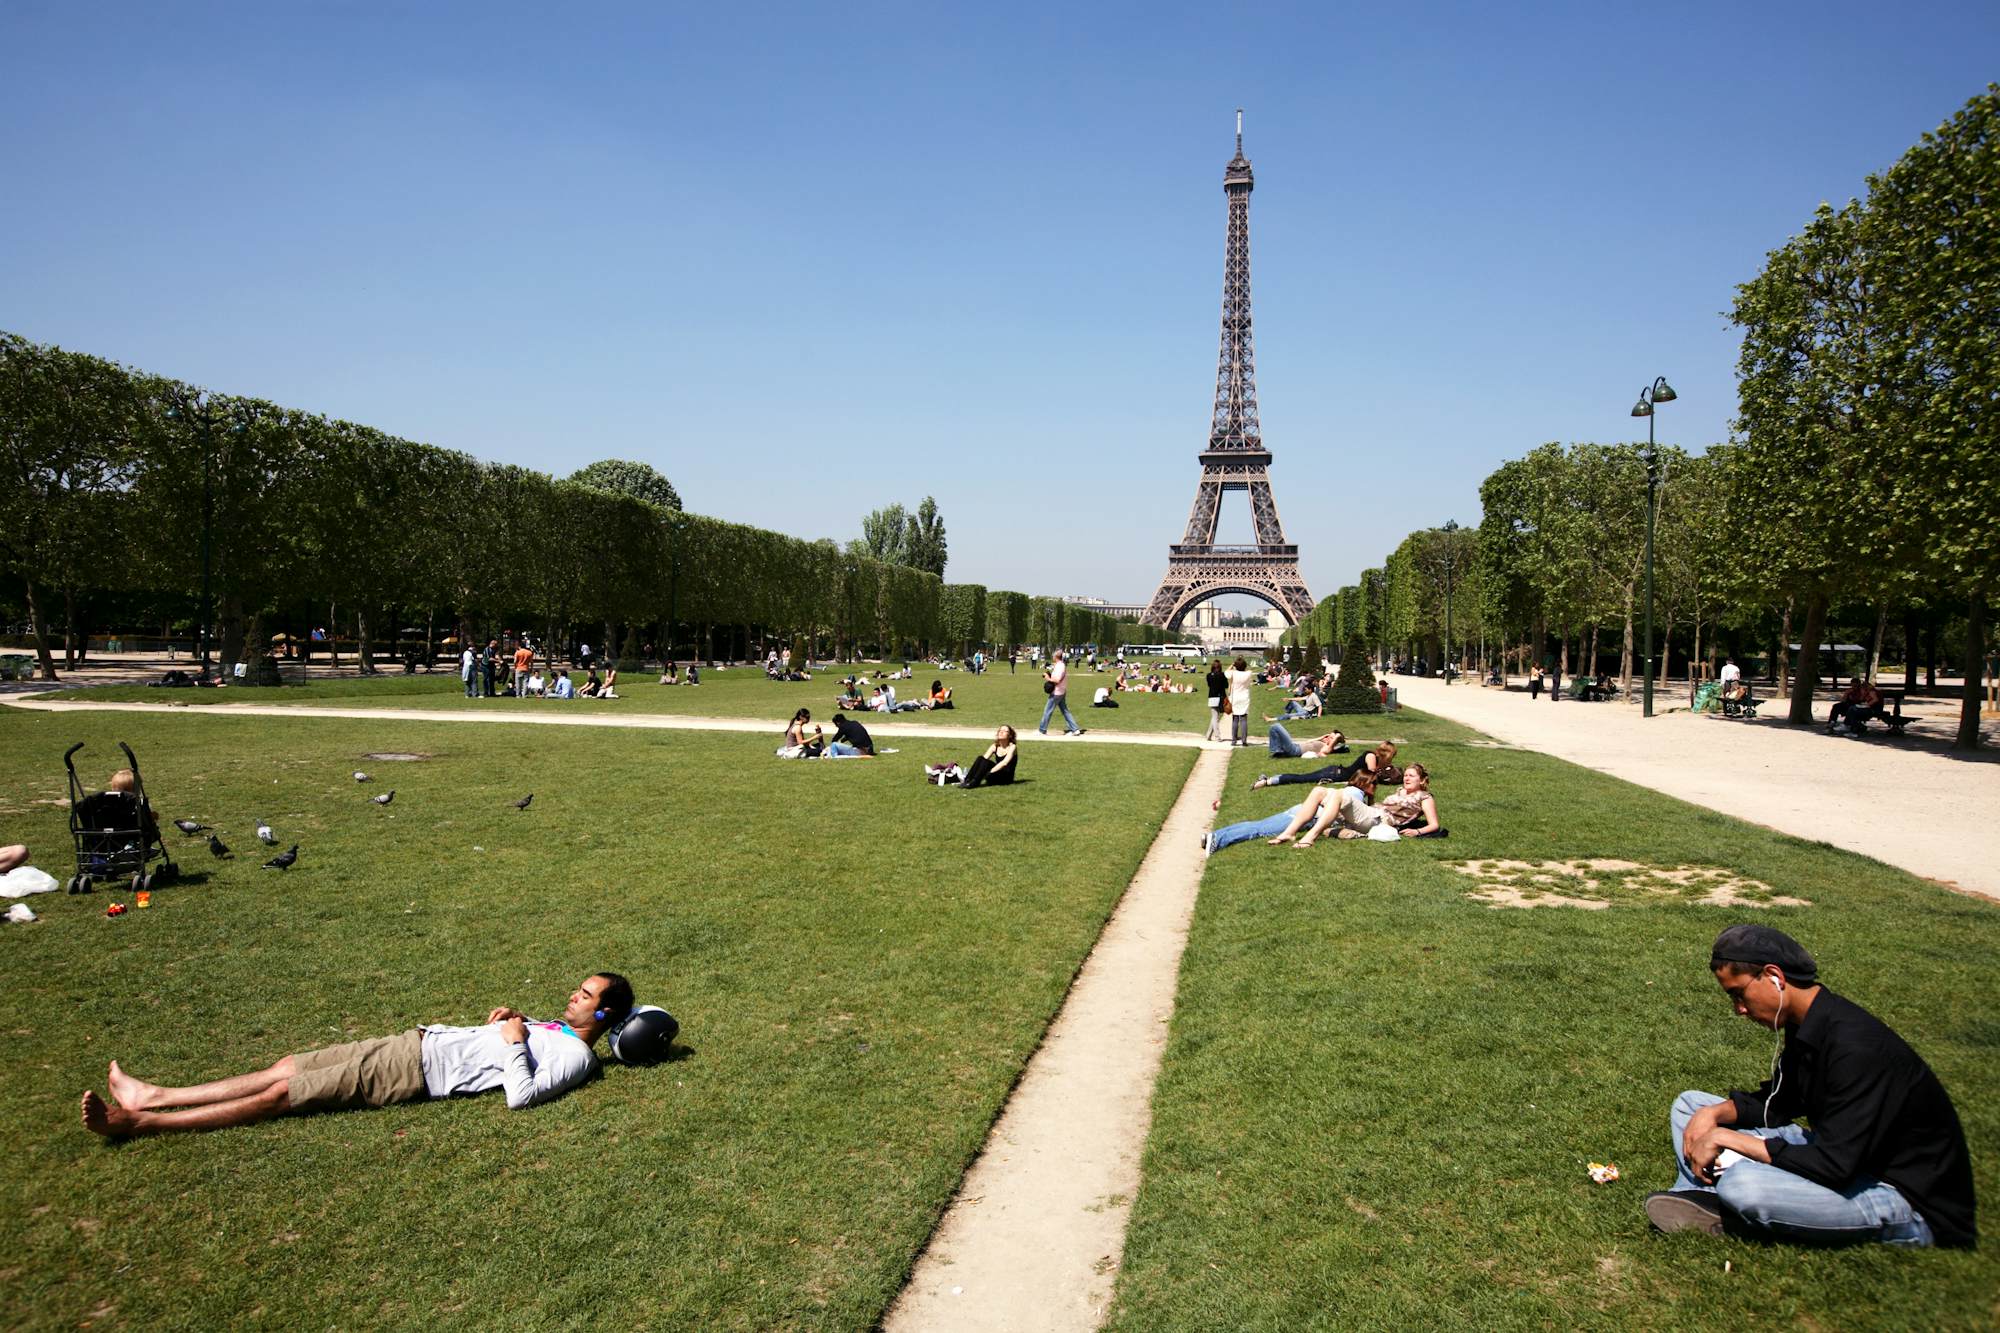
(115, 831)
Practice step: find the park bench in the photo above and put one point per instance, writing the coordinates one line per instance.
(1893, 719)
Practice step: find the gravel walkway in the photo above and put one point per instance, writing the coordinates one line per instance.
(1914, 802)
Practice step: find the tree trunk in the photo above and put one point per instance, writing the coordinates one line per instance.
(1875, 654)
(1625, 653)
(48, 661)
(232, 631)
(1784, 667)
(1909, 648)
(1666, 656)
(1591, 666)
(1975, 676)
(1930, 653)
(76, 648)
(1808, 672)
(364, 644)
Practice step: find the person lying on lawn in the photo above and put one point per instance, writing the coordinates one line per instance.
(1885, 1160)
(535, 1062)
(996, 766)
(1284, 747)
(1411, 810)
(1378, 764)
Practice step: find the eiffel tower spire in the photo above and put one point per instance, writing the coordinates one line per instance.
(1235, 459)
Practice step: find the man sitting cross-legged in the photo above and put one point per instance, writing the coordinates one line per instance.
(535, 1062)
(1885, 1159)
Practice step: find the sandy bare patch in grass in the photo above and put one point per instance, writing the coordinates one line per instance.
(1595, 883)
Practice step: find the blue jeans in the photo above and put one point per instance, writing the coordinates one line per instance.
(1295, 710)
(1282, 744)
(1772, 1203)
(1231, 834)
(1057, 701)
(840, 750)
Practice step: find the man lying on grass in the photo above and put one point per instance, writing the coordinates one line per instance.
(535, 1062)
(1885, 1159)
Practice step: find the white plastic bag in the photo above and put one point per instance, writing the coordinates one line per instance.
(24, 880)
(1384, 832)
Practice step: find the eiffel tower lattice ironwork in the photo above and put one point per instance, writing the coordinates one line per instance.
(1235, 460)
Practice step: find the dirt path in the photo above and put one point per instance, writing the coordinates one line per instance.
(1912, 803)
(639, 721)
(1034, 1239)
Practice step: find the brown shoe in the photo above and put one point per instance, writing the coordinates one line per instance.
(1685, 1210)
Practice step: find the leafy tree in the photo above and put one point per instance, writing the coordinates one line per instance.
(1933, 230)
(924, 541)
(620, 476)
(885, 536)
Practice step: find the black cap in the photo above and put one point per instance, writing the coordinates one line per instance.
(1757, 946)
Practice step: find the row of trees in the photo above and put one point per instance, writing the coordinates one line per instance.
(129, 488)
(1862, 482)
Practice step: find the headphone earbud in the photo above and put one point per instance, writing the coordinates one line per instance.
(1779, 982)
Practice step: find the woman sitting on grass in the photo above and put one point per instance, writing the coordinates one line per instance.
(995, 768)
(1410, 810)
(1376, 766)
(940, 697)
(608, 689)
(797, 744)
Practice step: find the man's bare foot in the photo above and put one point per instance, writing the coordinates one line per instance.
(1260, 783)
(107, 1121)
(132, 1093)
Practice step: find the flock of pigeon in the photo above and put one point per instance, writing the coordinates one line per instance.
(287, 859)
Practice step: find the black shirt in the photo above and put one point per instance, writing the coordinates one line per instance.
(1877, 1113)
(847, 729)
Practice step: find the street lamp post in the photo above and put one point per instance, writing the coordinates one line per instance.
(1650, 397)
(1450, 559)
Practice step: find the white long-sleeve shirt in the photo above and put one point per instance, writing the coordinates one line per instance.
(462, 1061)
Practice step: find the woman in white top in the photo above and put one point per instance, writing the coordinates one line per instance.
(1240, 680)
(1411, 810)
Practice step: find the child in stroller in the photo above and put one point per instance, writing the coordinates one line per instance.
(115, 830)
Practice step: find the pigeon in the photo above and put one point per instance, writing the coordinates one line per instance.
(359, 776)
(522, 804)
(385, 797)
(264, 833)
(190, 827)
(216, 848)
(283, 860)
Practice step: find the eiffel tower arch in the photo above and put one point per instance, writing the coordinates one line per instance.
(1235, 459)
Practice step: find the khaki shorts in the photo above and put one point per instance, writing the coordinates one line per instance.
(378, 1072)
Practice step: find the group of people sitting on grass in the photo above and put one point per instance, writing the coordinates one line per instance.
(881, 698)
(559, 684)
(850, 740)
(1343, 801)
(672, 675)
(1134, 681)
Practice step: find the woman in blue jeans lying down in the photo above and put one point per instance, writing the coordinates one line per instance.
(1377, 764)
(1284, 747)
(1411, 811)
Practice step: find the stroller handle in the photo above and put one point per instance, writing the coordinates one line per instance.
(70, 752)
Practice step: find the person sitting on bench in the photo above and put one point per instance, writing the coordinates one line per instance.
(535, 1062)
(996, 767)
(1885, 1160)
(1856, 705)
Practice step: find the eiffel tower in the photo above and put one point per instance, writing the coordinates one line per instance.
(1235, 460)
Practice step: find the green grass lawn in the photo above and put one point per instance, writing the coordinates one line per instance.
(1379, 1096)
(861, 964)
(979, 701)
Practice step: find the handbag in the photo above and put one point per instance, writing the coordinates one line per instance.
(1224, 709)
(1048, 687)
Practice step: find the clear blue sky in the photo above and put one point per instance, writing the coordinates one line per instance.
(808, 261)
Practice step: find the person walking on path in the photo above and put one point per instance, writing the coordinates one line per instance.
(1535, 685)
(468, 662)
(1056, 681)
(1885, 1159)
(1556, 684)
(1240, 680)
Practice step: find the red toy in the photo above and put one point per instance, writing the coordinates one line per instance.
(116, 909)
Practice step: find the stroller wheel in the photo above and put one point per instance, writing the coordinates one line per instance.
(138, 881)
(167, 873)
(83, 884)
(73, 883)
